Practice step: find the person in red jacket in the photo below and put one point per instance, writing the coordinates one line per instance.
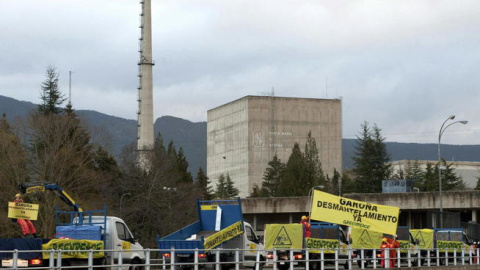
(306, 226)
(28, 229)
(394, 245)
(385, 244)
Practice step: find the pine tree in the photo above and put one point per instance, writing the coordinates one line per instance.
(477, 187)
(370, 160)
(103, 161)
(203, 184)
(450, 181)
(290, 184)
(221, 190)
(257, 192)
(182, 166)
(171, 152)
(334, 183)
(313, 174)
(159, 147)
(347, 185)
(51, 96)
(414, 171)
(272, 178)
(231, 190)
(430, 178)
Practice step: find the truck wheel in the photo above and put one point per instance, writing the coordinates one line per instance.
(261, 264)
(365, 263)
(314, 265)
(225, 265)
(285, 266)
(415, 262)
(135, 265)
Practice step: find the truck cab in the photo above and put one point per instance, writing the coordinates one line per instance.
(118, 240)
(450, 241)
(119, 237)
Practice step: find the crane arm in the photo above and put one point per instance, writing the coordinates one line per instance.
(31, 187)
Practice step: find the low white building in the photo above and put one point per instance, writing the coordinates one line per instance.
(468, 171)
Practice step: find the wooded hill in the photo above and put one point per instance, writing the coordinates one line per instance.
(116, 133)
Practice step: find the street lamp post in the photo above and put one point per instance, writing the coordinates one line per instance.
(440, 133)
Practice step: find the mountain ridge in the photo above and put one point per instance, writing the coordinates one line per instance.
(116, 133)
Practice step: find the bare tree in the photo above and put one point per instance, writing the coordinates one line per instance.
(13, 171)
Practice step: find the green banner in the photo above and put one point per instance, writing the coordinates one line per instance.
(449, 246)
(405, 246)
(72, 248)
(315, 244)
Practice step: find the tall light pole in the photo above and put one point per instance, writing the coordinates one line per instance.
(442, 129)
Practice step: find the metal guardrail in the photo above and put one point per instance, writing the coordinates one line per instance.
(312, 259)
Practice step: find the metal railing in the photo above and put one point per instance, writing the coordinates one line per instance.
(221, 259)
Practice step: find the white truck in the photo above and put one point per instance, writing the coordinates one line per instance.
(108, 237)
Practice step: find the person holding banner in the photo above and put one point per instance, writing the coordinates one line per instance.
(306, 226)
(384, 246)
(26, 225)
(394, 246)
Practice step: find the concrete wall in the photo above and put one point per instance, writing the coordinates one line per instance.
(262, 126)
(227, 147)
(418, 210)
(452, 200)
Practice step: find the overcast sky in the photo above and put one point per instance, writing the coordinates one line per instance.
(405, 66)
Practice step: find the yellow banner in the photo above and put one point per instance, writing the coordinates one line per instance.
(223, 235)
(424, 238)
(366, 239)
(23, 210)
(35, 189)
(334, 209)
(74, 248)
(315, 244)
(281, 236)
(208, 207)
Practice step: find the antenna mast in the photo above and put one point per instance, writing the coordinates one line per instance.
(70, 87)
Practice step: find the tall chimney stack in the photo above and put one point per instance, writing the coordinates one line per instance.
(145, 140)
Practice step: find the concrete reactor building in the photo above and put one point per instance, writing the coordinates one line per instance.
(245, 134)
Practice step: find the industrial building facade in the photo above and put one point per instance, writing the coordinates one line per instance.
(245, 134)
